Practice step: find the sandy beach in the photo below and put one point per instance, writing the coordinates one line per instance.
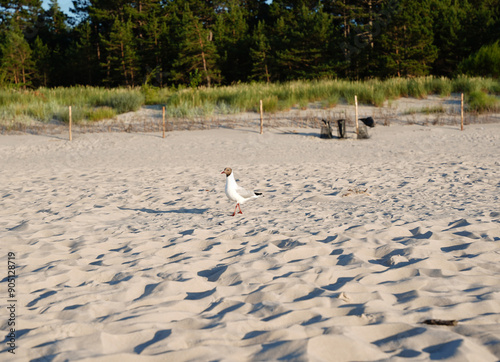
(125, 250)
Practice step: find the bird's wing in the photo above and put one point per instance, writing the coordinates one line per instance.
(244, 192)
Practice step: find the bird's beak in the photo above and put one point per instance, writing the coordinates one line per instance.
(222, 172)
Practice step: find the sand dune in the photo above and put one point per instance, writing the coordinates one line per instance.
(126, 249)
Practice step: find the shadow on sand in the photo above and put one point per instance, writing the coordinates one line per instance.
(177, 211)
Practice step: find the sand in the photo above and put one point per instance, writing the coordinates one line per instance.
(126, 250)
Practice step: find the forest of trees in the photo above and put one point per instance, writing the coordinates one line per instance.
(209, 42)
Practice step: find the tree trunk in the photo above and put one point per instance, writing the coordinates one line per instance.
(203, 55)
(98, 49)
(370, 22)
(123, 63)
(397, 62)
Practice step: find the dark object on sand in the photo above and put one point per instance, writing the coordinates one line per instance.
(368, 121)
(326, 130)
(440, 322)
(363, 133)
(341, 128)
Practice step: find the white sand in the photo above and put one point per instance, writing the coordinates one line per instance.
(126, 249)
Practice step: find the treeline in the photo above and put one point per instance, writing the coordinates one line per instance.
(202, 42)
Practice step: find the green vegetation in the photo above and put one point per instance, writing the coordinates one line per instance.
(485, 62)
(284, 96)
(202, 57)
(88, 103)
(96, 103)
(426, 110)
(480, 101)
(194, 43)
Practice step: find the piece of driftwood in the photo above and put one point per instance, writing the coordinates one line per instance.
(441, 322)
(356, 192)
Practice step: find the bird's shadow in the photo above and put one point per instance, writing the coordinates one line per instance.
(176, 211)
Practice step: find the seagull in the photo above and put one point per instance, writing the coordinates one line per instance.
(235, 192)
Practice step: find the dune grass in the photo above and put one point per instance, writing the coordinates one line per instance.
(479, 101)
(328, 93)
(87, 103)
(97, 103)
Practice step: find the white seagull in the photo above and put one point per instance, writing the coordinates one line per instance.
(235, 192)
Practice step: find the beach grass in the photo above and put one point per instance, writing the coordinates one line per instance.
(46, 105)
(479, 101)
(96, 103)
(426, 110)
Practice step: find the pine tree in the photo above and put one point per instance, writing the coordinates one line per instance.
(344, 19)
(197, 51)
(151, 28)
(260, 54)
(16, 65)
(484, 63)
(301, 38)
(406, 47)
(121, 60)
(55, 34)
(24, 12)
(41, 61)
(101, 15)
(357, 26)
(482, 24)
(449, 18)
(84, 55)
(232, 42)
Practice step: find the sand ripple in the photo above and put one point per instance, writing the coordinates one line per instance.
(134, 256)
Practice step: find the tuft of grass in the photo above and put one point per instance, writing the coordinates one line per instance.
(270, 104)
(78, 114)
(100, 113)
(441, 86)
(121, 100)
(479, 101)
(463, 84)
(434, 109)
(330, 101)
(425, 110)
(379, 97)
(224, 108)
(417, 88)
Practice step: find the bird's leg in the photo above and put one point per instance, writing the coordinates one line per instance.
(238, 208)
(234, 213)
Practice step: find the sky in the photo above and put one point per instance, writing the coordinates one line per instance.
(65, 5)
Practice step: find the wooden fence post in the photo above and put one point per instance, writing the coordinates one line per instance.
(462, 112)
(356, 113)
(70, 121)
(163, 119)
(261, 118)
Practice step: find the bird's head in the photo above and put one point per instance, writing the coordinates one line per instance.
(227, 171)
